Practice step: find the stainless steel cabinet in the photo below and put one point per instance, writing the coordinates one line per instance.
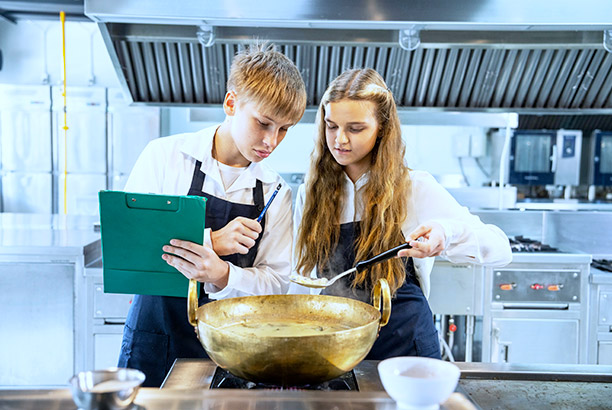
(546, 339)
(82, 193)
(600, 349)
(129, 130)
(456, 289)
(26, 192)
(84, 148)
(105, 137)
(25, 147)
(106, 316)
(37, 330)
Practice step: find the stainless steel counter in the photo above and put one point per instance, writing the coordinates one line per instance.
(60, 235)
(43, 289)
(489, 386)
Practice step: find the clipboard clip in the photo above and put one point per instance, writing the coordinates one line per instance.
(152, 202)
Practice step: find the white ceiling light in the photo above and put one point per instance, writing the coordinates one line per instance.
(409, 39)
(206, 35)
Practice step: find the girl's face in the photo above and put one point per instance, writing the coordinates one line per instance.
(351, 129)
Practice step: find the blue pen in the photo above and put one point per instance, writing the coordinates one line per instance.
(261, 215)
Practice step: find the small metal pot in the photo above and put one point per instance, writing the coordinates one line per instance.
(261, 356)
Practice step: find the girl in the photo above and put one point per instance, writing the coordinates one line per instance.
(361, 199)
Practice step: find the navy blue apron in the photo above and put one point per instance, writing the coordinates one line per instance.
(411, 330)
(157, 330)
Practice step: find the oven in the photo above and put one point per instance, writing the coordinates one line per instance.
(599, 159)
(545, 157)
(536, 308)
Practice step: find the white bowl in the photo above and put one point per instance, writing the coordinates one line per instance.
(418, 382)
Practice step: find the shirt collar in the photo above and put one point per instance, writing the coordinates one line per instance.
(360, 183)
(199, 146)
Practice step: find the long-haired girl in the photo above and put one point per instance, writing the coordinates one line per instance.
(360, 199)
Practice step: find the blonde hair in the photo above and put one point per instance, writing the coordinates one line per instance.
(386, 193)
(262, 75)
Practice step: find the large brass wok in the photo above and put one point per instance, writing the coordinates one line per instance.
(311, 357)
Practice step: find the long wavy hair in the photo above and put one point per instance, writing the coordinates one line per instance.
(386, 195)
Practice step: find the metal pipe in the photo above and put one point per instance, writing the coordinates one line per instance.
(469, 337)
(502, 165)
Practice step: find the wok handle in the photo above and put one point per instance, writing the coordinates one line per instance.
(192, 302)
(382, 296)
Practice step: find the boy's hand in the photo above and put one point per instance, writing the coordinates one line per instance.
(238, 236)
(426, 240)
(196, 262)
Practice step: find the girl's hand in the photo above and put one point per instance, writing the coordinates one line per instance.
(426, 240)
(196, 262)
(238, 236)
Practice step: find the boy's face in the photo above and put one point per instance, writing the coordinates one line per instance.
(255, 133)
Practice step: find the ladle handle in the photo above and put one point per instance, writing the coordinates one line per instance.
(382, 296)
(363, 265)
(192, 302)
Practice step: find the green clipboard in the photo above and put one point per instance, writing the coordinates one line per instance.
(134, 228)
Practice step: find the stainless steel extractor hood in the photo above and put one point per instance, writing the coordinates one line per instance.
(488, 55)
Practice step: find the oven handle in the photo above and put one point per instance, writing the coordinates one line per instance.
(538, 306)
(553, 167)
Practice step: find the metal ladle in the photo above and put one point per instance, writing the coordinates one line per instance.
(320, 283)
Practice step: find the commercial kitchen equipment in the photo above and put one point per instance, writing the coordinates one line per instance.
(105, 138)
(600, 317)
(536, 308)
(545, 157)
(25, 149)
(476, 57)
(598, 157)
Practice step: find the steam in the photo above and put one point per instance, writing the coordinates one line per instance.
(342, 287)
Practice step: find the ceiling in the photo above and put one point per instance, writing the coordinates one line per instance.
(540, 59)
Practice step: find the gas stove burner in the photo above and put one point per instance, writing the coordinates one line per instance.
(602, 264)
(522, 244)
(222, 379)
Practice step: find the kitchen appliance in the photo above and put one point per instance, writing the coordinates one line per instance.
(599, 159)
(25, 149)
(536, 308)
(600, 317)
(289, 340)
(477, 56)
(545, 157)
(222, 379)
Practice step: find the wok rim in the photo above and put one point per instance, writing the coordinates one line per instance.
(210, 305)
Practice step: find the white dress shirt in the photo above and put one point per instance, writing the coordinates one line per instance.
(166, 167)
(468, 239)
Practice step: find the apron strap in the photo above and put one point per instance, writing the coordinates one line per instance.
(197, 182)
(258, 196)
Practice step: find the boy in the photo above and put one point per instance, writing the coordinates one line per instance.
(240, 256)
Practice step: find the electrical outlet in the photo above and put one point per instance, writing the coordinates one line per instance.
(461, 145)
(478, 144)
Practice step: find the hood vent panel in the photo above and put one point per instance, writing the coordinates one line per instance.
(182, 72)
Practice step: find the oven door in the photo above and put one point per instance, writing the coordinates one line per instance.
(533, 157)
(541, 336)
(602, 158)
